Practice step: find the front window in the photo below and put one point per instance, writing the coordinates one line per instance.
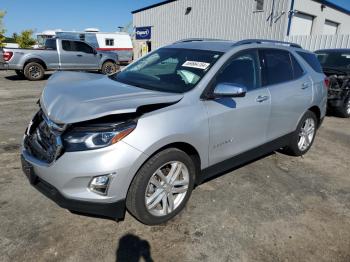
(169, 69)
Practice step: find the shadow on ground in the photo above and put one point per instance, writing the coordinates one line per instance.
(19, 78)
(131, 248)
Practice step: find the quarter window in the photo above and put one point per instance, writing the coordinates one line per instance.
(312, 60)
(297, 69)
(276, 67)
(242, 70)
(109, 42)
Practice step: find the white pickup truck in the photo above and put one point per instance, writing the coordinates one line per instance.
(58, 54)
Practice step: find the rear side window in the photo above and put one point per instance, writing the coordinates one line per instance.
(66, 45)
(276, 66)
(312, 60)
(297, 69)
(50, 44)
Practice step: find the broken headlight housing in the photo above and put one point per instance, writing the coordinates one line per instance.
(89, 138)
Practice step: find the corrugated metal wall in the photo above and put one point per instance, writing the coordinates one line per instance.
(316, 42)
(224, 19)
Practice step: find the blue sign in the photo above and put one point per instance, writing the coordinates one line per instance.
(143, 33)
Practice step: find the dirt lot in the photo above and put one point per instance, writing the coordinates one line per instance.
(276, 209)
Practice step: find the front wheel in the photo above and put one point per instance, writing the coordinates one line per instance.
(161, 187)
(109, 68)
(304, 135)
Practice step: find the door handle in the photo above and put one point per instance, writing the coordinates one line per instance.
(260, 99)
(79, 55)
(305, 85)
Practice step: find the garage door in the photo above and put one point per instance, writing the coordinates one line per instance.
(330, 28)
(301, 24)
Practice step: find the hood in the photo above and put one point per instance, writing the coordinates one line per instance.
(71, 97)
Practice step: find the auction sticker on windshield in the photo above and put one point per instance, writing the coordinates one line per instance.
(196, 64)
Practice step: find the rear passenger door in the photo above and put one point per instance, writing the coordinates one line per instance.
(290, 88)
(240, 123)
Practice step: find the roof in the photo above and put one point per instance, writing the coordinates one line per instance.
(325, 2)
(216, 45)
(334, 6)
(152, 6)
(334, 50)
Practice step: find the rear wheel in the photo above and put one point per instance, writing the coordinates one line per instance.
(20, 73)
(109, 68)
(161, 187)
(344, 110)
(34, 71)
(303, 137)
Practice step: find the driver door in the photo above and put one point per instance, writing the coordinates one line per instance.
(238, 124)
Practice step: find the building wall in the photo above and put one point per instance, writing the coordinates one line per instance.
(223, 19)
(314, 8)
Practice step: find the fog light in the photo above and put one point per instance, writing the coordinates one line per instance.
(99, 184)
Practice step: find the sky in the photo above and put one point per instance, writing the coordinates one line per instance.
(106, 15)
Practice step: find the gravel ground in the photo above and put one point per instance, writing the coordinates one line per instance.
(279, 208)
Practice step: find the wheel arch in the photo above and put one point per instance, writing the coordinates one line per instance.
(317, 111)
(189, 149)
(35, 60)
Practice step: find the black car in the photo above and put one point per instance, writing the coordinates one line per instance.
(336, 65)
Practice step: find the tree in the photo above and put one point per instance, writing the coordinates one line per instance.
(2, 29)
(25, 39)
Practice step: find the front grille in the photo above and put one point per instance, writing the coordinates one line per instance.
(41, 140)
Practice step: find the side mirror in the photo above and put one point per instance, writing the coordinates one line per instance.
(94, 51)
(229, 90)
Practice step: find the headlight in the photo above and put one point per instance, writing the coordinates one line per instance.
(80, 139)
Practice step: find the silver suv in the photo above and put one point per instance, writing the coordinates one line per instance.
(141, 139)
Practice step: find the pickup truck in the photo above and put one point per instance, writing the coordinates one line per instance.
(58, 54)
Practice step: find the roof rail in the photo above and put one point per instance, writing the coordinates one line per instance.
(261, 41)
(197, 40)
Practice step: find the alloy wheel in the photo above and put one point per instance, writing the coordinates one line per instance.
(34, 72)
(167, 188)
(306, 134)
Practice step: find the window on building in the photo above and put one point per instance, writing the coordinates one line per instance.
(277, 67)
(259, 5)
(301, 24)
(243, 69)
(109, 42)
(330, 28)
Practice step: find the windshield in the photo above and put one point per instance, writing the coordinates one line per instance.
(339, 60)
(169, 69)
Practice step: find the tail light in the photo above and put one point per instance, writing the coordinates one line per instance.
(7, 55)
(326, 82)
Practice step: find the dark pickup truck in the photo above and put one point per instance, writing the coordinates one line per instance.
(336, 65)
(58, 54)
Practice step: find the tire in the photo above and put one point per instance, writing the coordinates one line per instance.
(19, 73)
(344, 110)
(296, 146)
(143, 187)
(34, 71)
(109, 68)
